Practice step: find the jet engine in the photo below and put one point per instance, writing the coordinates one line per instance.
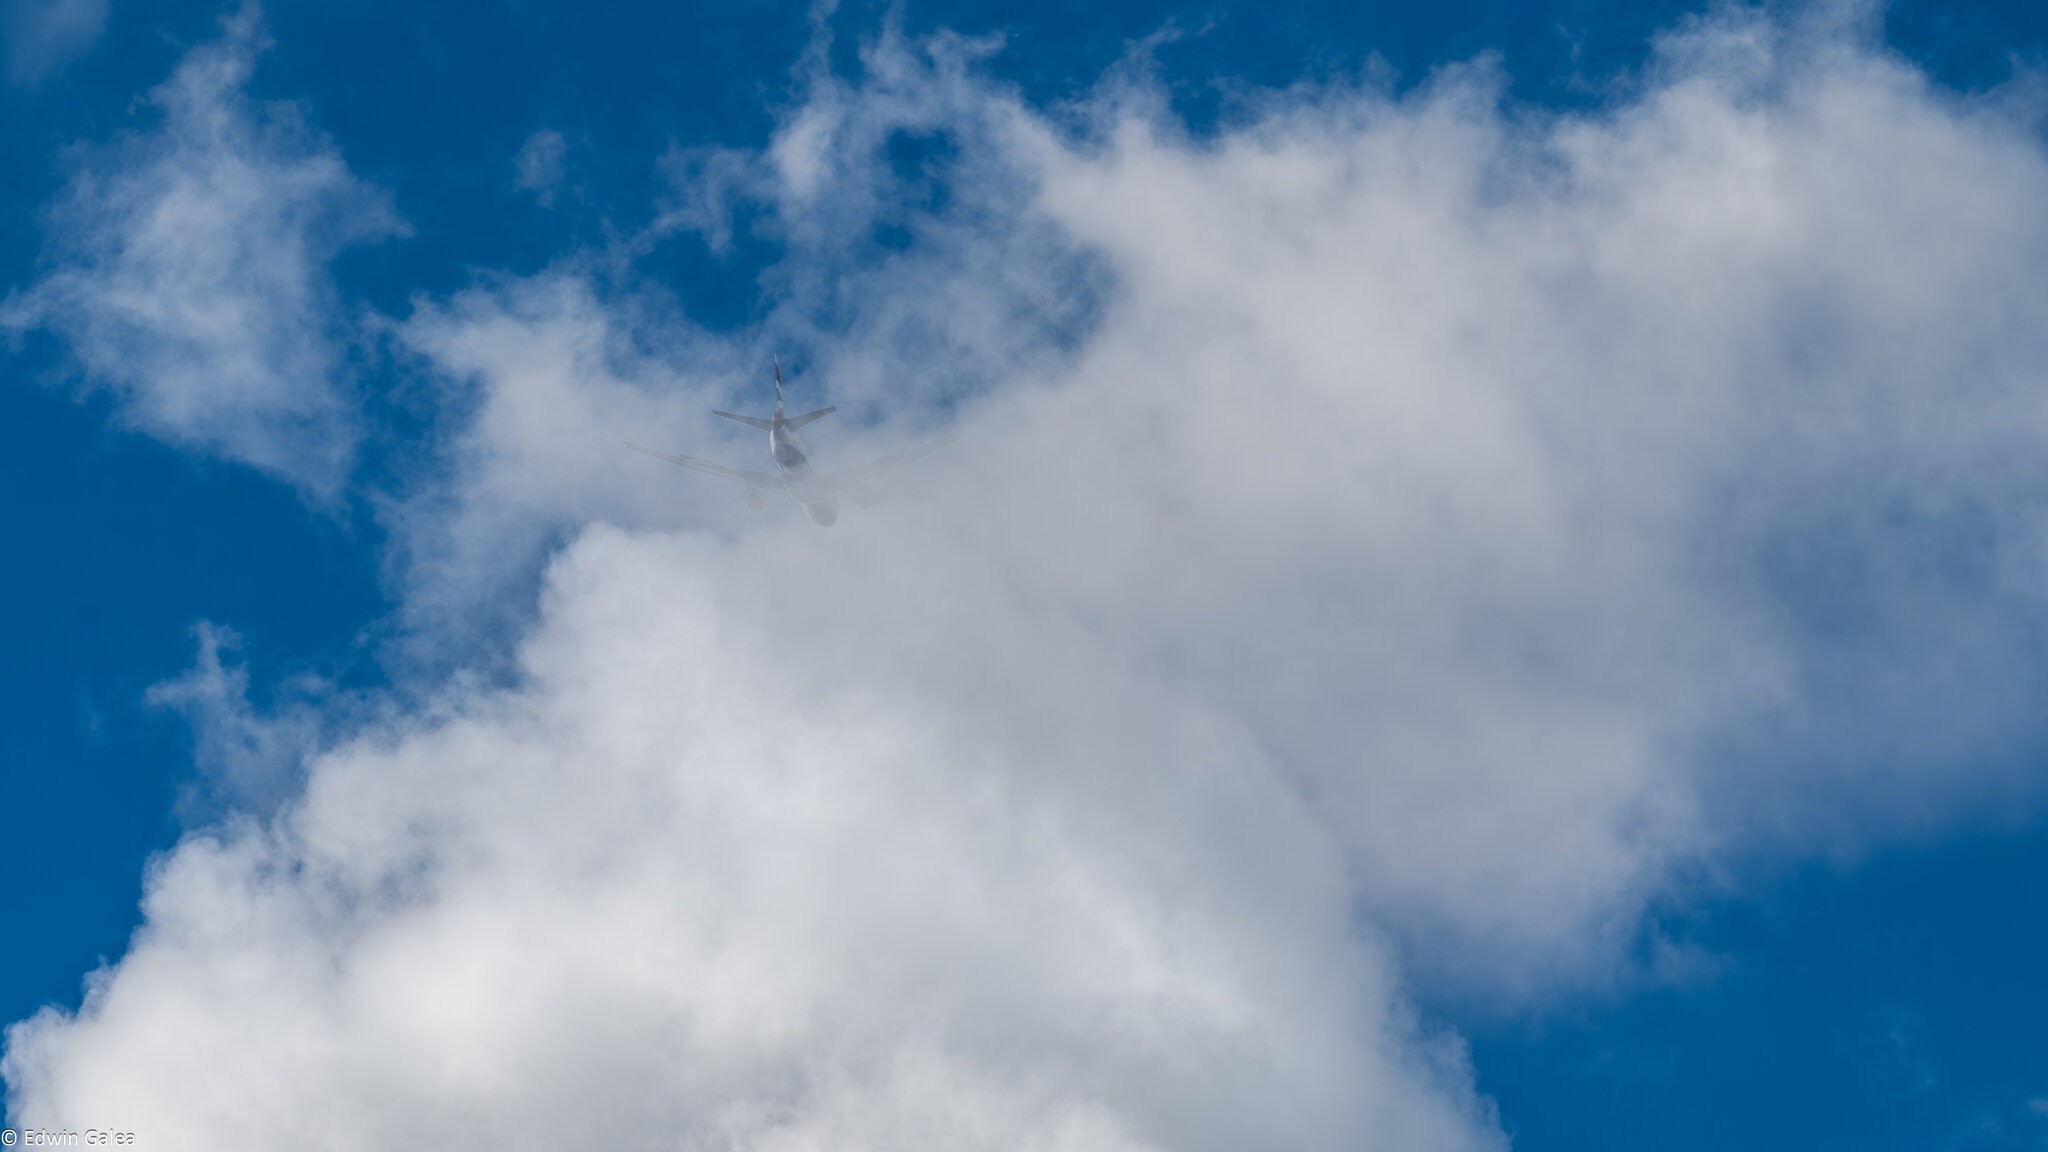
(865, 496)
(755, 500)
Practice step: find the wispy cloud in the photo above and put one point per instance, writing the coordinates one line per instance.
(188, 272)
(538, 168)
(250, 758)
(1392, 538)
(44, 35)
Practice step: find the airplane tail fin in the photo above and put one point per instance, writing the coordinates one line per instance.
(778, 384)
(795, 422)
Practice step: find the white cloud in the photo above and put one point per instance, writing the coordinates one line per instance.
(578, 387)
(44, 35)
(250, 758)
(1393, 540)
(645, 894)
(539, 164)
(189, 272)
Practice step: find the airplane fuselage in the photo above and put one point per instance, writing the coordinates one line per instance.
(798, 477)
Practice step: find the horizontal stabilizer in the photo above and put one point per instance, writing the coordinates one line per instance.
(796, 422)
(750, 421)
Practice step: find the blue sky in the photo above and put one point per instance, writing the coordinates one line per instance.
(1824, 933)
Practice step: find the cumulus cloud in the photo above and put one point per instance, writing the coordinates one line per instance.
(1395, 540)
(645, 892)
(44, 35)
(188, 272)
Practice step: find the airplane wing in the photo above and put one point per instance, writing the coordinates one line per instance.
(747, 476)
(889, 463)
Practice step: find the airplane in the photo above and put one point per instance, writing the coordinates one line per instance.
(814, 491)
